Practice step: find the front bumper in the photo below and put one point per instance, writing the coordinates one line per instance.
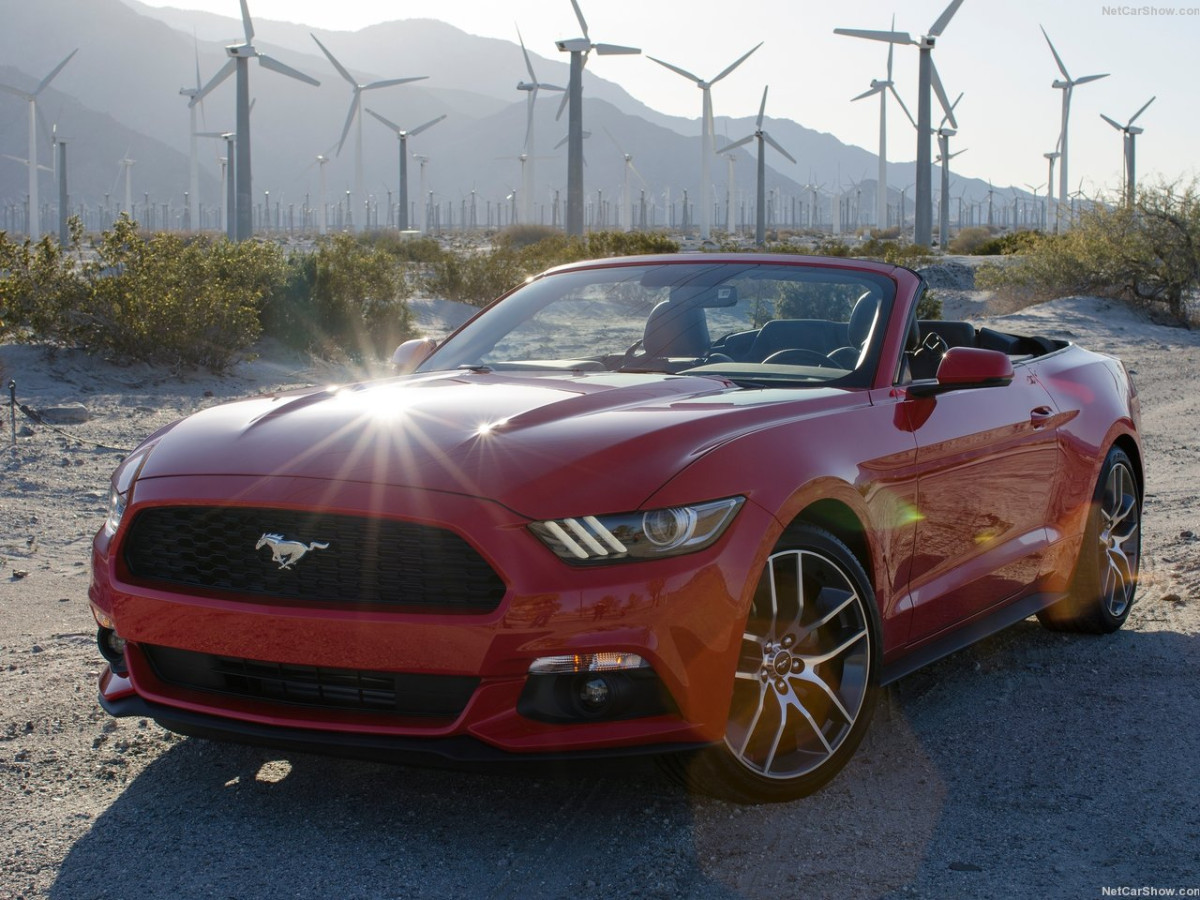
(683, 615)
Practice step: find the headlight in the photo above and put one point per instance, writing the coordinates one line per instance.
(638, 535)
(122, 484)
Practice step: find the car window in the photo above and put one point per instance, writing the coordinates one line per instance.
(756, 322)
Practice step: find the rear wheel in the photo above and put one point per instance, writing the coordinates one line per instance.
(1106, 573)
(806, 680)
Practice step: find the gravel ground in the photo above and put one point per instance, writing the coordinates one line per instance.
(1031, 764)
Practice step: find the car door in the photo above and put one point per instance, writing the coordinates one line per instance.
(986, 463)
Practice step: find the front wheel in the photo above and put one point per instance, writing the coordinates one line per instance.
(806, 681)
(1107, 570)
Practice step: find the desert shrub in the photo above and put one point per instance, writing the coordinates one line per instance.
(347, 296)
(169, 300)
(897, 254)
(929, 306)
(524, 235)
(969, 240)
(405, 249)
(1150, 253)
(39, 286)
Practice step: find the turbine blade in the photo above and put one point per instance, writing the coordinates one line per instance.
(428, 124)
(892, 37)
(12, 90)
(562, 105)
(222, 73)
(892, 88)
(1057, 58)
(49, 78)
(944, 19)
(616, 50)
(684, 72)
(388, 122)
(741, 59)
(762, 107)
(563, 141)
(1142, 110)
(891, 50)
(709, 125)
(389, 82)
(548, 87)
(246, 23)
(770, 140)
(1116, 125)
(869, 93)
(736, 144)
(528, 61)
(349, 122)
(337, 65)
(1086, 78)
(276, 66)
(582, 20)
(936, 81)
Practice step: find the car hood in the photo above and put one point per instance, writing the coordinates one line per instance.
(540, 445)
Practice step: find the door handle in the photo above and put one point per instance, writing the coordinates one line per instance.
(1040, 415)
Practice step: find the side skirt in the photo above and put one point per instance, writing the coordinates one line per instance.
(965, 635)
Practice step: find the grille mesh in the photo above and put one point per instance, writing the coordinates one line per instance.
(404, 694)
(368, 561)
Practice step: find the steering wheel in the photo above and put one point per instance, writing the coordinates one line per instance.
(799, 357)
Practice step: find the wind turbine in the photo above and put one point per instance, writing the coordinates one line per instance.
(944, 156)
(707, 137)
(881, 88)
(403, 136)
(928, 78)
(531, 88)
(760, 227)
(1067, 86)
(239, 62)
(1130, 132)
(193, 94)
(626, 196)
(35, 229)
(579, 48)
(1051, 158)
(354, 115)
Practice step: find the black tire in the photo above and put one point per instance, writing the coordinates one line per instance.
(1106, 572)
(807, 677)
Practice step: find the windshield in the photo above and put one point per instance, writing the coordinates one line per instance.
(752, 322)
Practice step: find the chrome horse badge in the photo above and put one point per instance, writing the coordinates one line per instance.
(287, 553)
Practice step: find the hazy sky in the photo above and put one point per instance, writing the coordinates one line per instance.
(993, 52)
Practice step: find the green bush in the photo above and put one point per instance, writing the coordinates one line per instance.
(1150, 253)
(969, 240)
(39, 286)
(348, 296)
(169, 300)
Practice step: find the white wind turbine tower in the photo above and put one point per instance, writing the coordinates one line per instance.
(422, 217)
(354, 116)
(239, 62)
(127, 164)
(760, 228)
(579, 48)
(403, 135)
(531, 88)
(1051, 158)
(881, 88)
(944, 156)
(35, 229)
(1067, 86)
(927, 79)
(193, 93)
(730, 222)
(626, 193)
(707, 137)
(1130, 131)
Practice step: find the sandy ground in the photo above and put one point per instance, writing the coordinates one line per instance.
(1031, 764)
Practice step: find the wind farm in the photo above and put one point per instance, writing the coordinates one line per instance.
(806, 188)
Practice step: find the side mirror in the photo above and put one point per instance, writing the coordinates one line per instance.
(966, 367)
(411, 354)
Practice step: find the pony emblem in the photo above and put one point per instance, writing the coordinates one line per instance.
(287, 553)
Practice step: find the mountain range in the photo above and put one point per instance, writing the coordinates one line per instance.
(119, 98)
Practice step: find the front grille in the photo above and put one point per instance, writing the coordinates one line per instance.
(402, 694)
(367, 560)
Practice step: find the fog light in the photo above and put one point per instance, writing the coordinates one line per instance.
(112, 648)
(595, 694)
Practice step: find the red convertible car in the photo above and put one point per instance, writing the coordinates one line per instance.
(696, 506)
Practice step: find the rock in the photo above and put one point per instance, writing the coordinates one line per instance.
(949, 275)
(68, 414)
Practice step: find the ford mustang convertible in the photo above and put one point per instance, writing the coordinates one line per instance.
(696, 506)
